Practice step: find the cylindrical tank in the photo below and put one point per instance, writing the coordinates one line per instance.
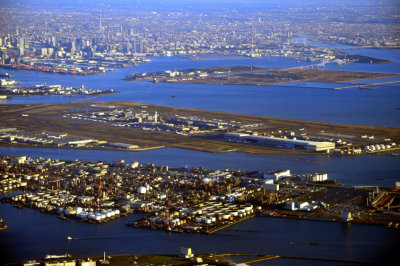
(141, 190)
(225, 216)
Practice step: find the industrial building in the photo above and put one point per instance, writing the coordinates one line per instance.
(280, 142)
(123, 145)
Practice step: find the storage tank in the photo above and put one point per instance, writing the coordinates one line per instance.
(103, 216)
(141, 190)
(60, 210)
(134, 164)
(117, 212)
(226, 216)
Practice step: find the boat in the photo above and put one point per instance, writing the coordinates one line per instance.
(3, 225)
(68, 238)
(173, 96)
(62, 216)
(313, 243)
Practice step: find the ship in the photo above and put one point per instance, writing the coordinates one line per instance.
(6, 75)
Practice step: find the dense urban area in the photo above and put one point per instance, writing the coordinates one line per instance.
(86, 41)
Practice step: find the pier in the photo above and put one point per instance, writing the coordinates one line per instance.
(272, 257)
(365, 85)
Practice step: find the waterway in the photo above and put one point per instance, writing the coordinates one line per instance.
(354, 171)
(32, 234)
(314, 101)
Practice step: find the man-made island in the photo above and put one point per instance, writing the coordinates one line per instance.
(138, 126)
(193, 200)
(248, 75)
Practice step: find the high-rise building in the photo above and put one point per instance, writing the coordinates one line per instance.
(21, 46)
(53, 41)
(73, 48)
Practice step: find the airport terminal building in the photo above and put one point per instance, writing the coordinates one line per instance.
(280, 142)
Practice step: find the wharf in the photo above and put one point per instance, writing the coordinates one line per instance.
(222, 227)
(207, 231)
(272, 257)
(363, 86)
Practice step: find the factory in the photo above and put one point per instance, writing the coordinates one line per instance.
(280, 142)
